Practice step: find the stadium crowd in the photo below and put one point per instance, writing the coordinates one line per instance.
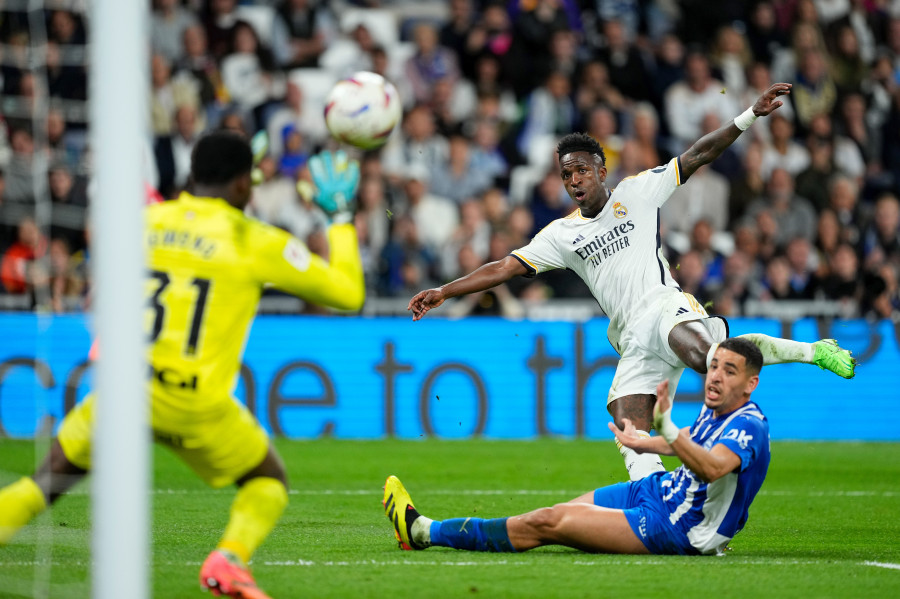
(803, 207)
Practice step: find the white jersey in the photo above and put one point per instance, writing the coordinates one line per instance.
(618, 252)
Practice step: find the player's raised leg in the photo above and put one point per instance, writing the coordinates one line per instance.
(692, 342)
(579, 525)
(639, 409)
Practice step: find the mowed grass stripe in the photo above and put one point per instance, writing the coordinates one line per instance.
(827, 515)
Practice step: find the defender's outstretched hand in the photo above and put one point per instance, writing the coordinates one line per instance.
(630, 438)
(336, 178)
(767, 102)
(662, 414)
(424, 301)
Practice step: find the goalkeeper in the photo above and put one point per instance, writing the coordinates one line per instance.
(207, 265)
(696, 509)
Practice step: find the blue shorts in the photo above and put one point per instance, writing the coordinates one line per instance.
(640, 500)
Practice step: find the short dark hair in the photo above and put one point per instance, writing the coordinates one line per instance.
(220, 157)
(580, 142)
(746, 348)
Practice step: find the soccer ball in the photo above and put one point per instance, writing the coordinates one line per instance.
(362, 110)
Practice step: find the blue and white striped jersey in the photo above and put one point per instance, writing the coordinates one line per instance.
(710, 514)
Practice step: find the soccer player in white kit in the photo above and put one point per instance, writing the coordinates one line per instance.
(612, 240)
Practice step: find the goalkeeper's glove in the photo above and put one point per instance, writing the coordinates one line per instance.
(662, 422)
(259, 145)
(335, 179)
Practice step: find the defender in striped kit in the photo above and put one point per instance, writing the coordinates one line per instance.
(697, 509)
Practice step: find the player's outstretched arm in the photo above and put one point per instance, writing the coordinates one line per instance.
(484, 277)
(629, 438)
(707, 465)
(710, 146)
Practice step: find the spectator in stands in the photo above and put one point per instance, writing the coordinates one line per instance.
(64, 145)
(802, 262)
(669, 68)
(66, 28)
(593, 87)
(406, 263)
(704, 196)
(847, 157)
(453, 101)
(812, 182)
(197, 64)
(456, 179)
(18, 270)
(814, 90)
(828, 238)
(456, 32)
(629, 163)
(881, 240)
(843, 198)
(550, 112)
(167, 94)
(294, 154)
(713, 260)
(291, 112)
(250, 74)
(763, 34)
(533, 27)
(794, 216)
(852, 124)
(486, 155)
(66, 81)
(218, 17)
(731, 57)
(759, 79)
(491, 89)
(372, 218)
(418, 144)
(881, 295)
(602, 124)
(496, 208)
(302, 32)
(173, 152)
(688, 101)
(690, 274)
(473, 232)
(748, 186)
(628, 71)
(19, 174)
(776, 284)
(492, 36)
(430, 63)
(168, 22)
(435, 217)
(805, 37)
(844, 283)
(69, 211)
(785, 151)
(549, 201)
(234, 121)
(848, 69)
(66, 282)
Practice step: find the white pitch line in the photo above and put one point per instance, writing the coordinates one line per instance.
(502, 492)
(883, 565)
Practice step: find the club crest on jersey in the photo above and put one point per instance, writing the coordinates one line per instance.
(619, 211)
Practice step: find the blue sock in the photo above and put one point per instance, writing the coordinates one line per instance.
(472, 534)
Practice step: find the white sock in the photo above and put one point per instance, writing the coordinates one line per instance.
(779, 351)
(640, 465)
(420, 530)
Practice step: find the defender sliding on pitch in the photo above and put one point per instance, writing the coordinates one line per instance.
(612, 241)
(695, 509)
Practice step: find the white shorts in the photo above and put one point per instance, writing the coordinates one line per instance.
(645, 356)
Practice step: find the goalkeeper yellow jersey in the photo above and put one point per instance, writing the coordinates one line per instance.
(208, 264)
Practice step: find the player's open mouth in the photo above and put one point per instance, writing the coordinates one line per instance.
(579, 195)
(712, 393)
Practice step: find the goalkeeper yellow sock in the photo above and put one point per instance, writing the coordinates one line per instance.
(19, 503)
(256, 508)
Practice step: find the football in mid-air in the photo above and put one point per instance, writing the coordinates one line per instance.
(362, 110)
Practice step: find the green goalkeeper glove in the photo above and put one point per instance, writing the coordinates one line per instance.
(259, 145)
(335, 178)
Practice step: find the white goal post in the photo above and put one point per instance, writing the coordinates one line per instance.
(118, 126)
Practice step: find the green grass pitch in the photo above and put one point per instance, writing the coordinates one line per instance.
(826, 524)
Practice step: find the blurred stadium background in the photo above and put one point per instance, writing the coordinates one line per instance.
(794, 232)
